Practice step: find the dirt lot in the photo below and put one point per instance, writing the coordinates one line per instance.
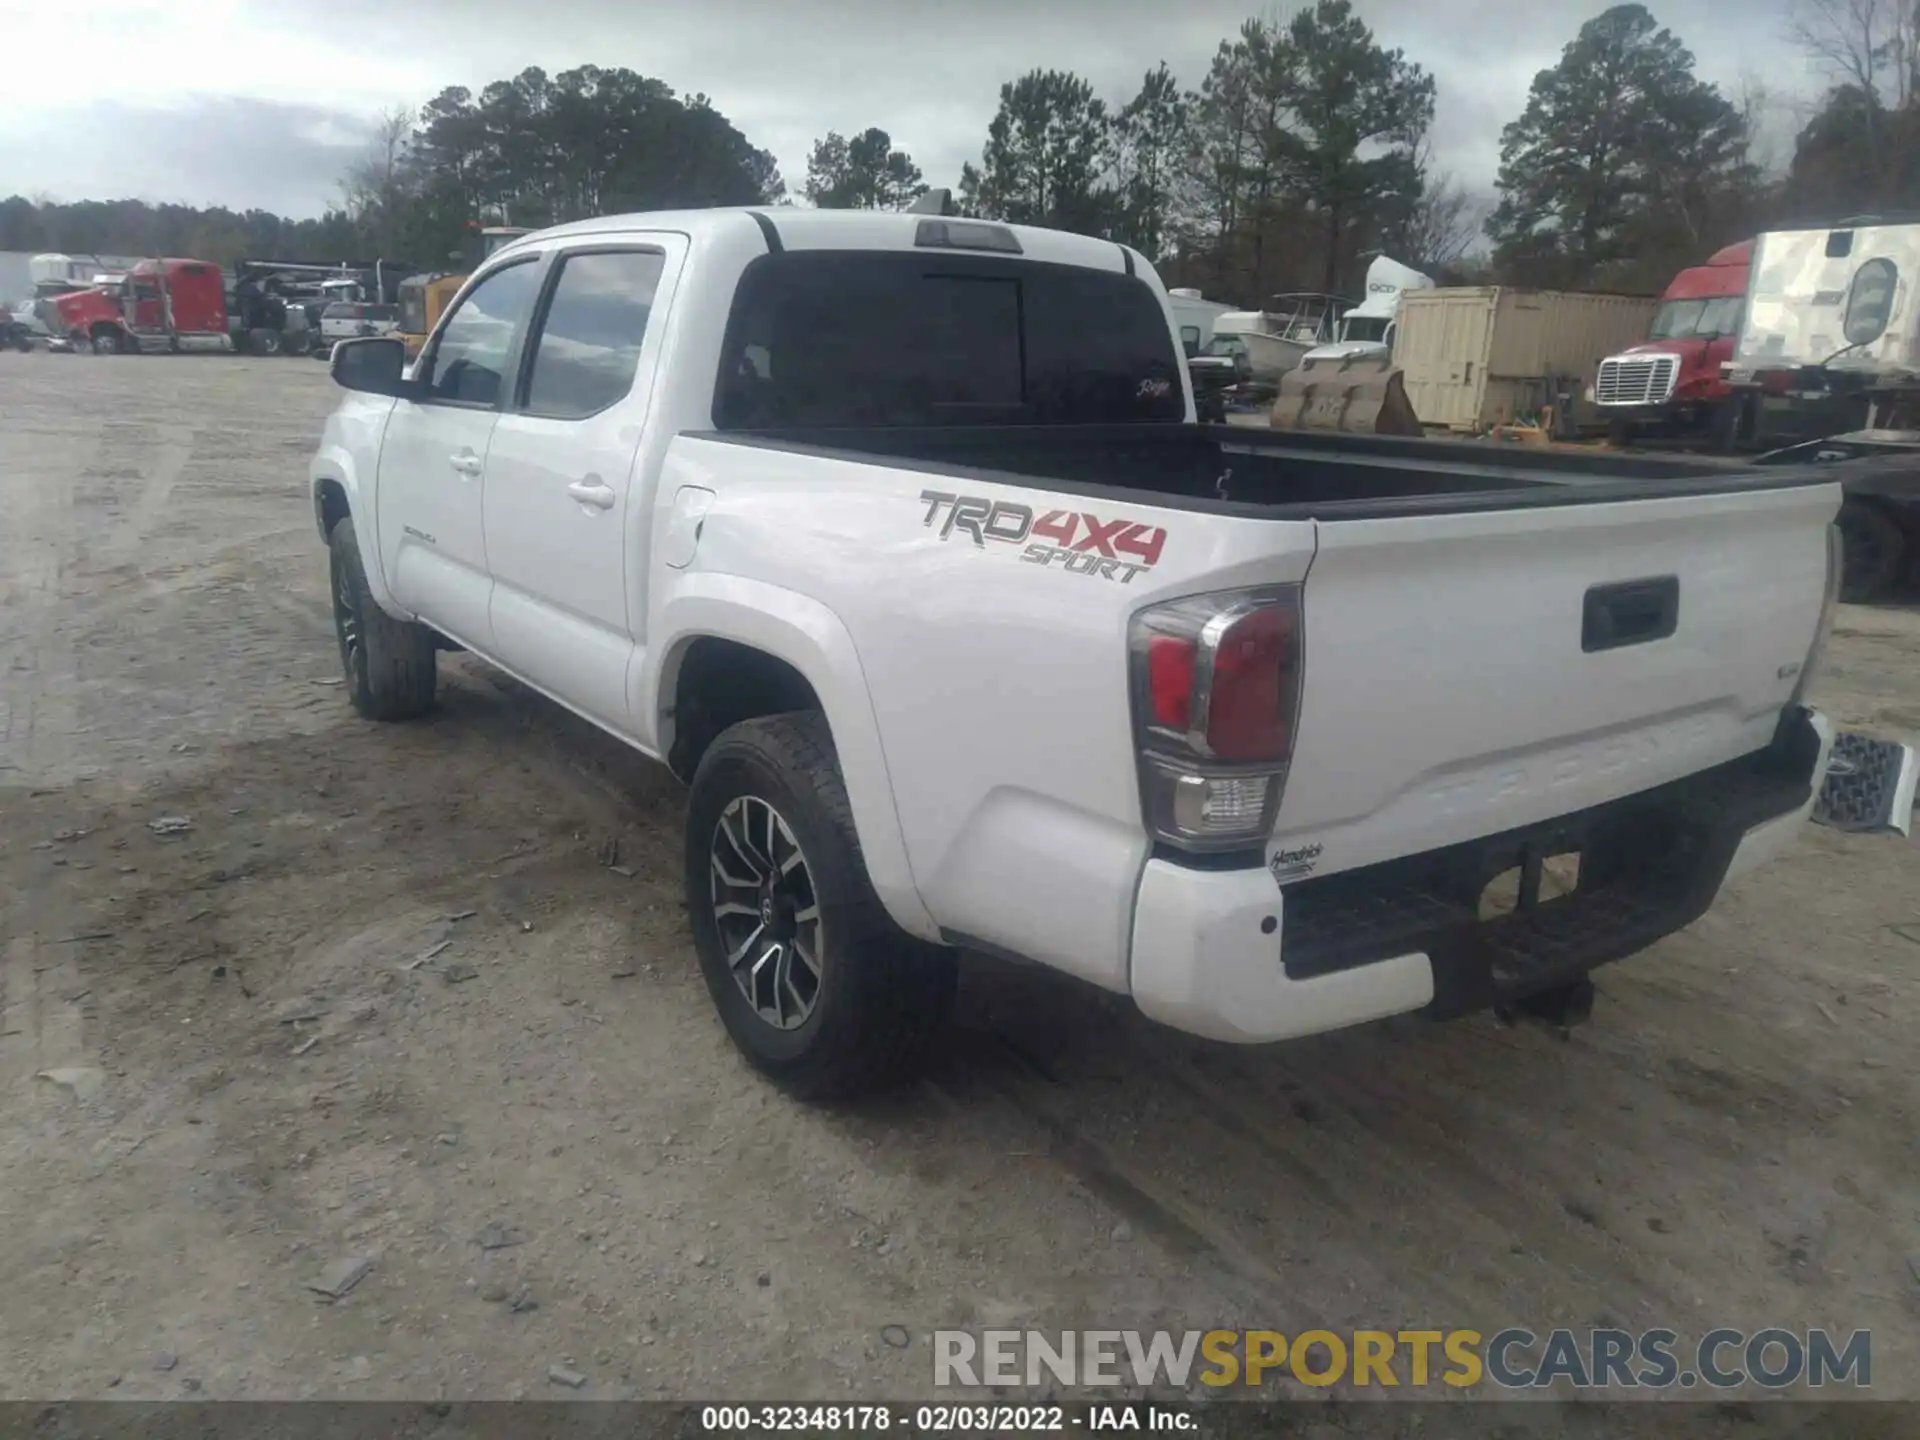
(283, 1082)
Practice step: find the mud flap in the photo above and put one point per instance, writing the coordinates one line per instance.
(1355, 394)
(1869, 785)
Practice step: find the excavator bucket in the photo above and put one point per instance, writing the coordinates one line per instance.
(1357, 394)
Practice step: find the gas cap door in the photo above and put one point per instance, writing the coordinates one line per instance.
(684, 522)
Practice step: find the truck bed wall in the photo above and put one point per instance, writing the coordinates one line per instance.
(1241, 467)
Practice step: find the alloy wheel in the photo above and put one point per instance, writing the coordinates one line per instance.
(347, 619)
(766, 912)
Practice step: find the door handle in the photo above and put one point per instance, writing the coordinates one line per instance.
(465, 461)
(592, 492)
(1632, 612)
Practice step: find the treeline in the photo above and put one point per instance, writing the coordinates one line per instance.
(1302, 151)
(530, 151)
(536, 151)
(133, 227)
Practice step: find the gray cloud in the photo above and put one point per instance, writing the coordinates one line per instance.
(927, 71)
(201, 150)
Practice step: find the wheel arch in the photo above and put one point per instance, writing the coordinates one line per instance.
(780, 648)
(333, 483)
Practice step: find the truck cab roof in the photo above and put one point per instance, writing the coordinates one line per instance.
(798, 229)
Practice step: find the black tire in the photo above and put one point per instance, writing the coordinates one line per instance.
(1875, 552)
(388, 664)
(263, 341)
(107, 341)
(297, 342)
(1723, 425)
(879, 994)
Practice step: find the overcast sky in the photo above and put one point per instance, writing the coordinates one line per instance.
(247, 103)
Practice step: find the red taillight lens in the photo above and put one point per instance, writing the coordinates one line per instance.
(1216, 684)
(1170, 681)
(1250, 705)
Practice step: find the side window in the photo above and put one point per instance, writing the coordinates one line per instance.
(1870, 301)
(589, 343)
(470, 360)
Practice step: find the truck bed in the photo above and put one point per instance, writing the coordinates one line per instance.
(1279, 474)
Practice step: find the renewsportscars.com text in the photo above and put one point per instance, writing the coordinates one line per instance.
(1511, 1359)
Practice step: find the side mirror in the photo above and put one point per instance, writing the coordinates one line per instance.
(373, 366)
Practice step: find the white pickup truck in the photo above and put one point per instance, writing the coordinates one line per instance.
(894, 537)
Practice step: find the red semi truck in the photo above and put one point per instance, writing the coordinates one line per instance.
(158, 305)
(1673, 383)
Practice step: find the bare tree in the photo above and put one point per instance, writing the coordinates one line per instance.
(1771, 118)
(1871, 44)
(375, 185)
(1443, 223)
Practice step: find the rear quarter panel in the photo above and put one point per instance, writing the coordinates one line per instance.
(996, 684)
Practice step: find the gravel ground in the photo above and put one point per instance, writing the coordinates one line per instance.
(381, 998)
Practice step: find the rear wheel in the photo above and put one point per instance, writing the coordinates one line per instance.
(1723, 425)
(1875, 550)
(817, 986)
(263, 341)
(388, 663)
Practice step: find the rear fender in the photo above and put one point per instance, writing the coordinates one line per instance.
(812, 639)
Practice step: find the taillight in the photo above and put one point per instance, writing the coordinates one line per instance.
(1216, 695)
(1250, 704)
(1170, 680)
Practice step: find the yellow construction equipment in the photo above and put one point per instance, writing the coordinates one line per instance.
(1357, 394)
(424, 296)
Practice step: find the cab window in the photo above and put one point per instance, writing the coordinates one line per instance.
(588, 346)
(469, 360)
(824, 338)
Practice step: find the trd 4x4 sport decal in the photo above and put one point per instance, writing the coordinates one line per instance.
(1072, 540)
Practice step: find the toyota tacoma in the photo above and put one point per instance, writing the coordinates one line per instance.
(895, 537)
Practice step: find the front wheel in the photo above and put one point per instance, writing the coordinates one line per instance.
(106, 342)
(263, 341)
(388, 663)
(817, 987)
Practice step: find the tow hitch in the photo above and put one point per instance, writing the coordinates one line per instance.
(1559, 1009)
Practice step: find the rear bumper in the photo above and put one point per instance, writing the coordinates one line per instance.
(1230, 955)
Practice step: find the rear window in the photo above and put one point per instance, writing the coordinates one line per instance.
(342, 310)
(864, 338)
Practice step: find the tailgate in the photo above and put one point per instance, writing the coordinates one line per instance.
(1467, 674)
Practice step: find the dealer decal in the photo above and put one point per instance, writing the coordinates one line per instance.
(1071, 540)
(1295, 864)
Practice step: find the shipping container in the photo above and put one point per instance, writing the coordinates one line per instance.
(1484, 355)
